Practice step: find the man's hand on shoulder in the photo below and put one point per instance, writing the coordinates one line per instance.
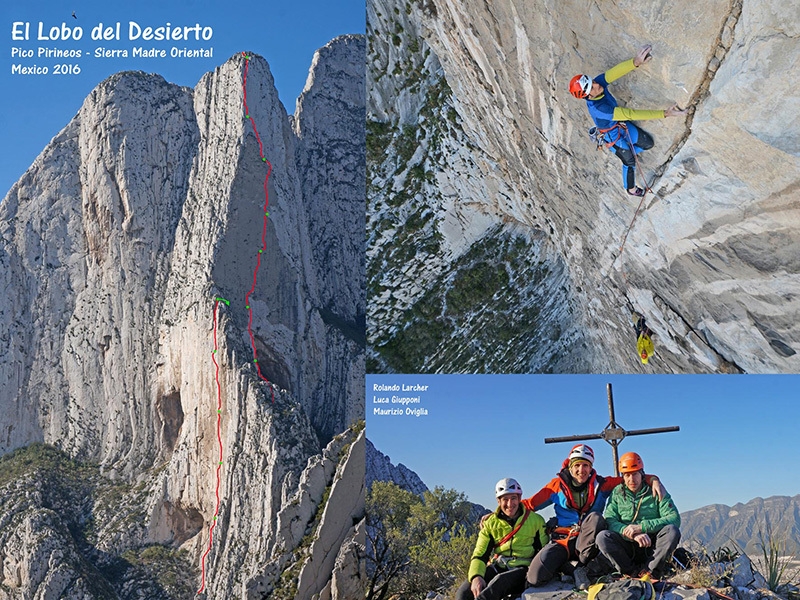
(483, 520)
(659, 491)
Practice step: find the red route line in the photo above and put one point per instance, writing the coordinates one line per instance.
(219, 441)
(263, 228)
(249, 322)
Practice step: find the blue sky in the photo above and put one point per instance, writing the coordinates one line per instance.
(735, 442)
(36, 107)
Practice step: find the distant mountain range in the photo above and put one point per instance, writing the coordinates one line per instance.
(718, 525)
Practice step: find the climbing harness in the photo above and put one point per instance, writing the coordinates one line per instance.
(562, 535)
(599, 135)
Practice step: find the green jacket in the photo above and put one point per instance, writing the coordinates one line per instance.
(520, 549)
(624, 508)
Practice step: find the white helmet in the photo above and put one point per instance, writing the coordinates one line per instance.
(507, 486)
(582, 452)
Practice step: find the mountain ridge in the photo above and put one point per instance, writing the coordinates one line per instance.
(719, 525)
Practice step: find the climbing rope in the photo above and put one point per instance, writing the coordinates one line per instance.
(647, 188)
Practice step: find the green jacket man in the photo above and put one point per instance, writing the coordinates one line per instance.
(643, 532)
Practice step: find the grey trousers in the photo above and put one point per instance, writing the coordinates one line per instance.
(554, 556)
(628, 556)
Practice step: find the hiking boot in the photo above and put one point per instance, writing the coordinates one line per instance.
(637, 191)
(581, 576)
(662, 572)
(599, 566)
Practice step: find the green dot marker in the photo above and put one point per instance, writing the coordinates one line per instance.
(247, 116)
(255, 360)
(247, 306)
(215, 518)
(220, 462)
(264, 159)
(213, 352)
(260, 251)
(219, 412)
(266, 214)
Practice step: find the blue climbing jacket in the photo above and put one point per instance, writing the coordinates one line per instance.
(606, 114)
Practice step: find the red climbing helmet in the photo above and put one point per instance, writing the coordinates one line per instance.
(580, 86)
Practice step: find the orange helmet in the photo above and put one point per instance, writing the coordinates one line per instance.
(630, 463)
(580, 86)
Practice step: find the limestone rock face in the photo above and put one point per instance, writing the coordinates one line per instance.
(349, 578)
(86, 237)
(329, 126)
(711, 257)
(337, 524)
(448, 276)
(128, 253)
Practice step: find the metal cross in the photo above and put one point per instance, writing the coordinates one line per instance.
(612, 433)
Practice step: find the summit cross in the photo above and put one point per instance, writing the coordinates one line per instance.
(612, 433)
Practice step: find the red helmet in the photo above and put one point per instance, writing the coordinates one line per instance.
(580, 86)
(630, 463)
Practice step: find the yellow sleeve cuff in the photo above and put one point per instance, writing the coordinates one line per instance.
(621, 69)
(634, 114)
(476, 568)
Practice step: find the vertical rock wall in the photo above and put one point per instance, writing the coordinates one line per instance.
(329, 125)
(453, 284)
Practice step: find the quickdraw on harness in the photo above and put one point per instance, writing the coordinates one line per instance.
(499, 558)
(599, 135)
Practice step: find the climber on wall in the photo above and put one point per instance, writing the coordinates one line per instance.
(644, 343)
(626, 138)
